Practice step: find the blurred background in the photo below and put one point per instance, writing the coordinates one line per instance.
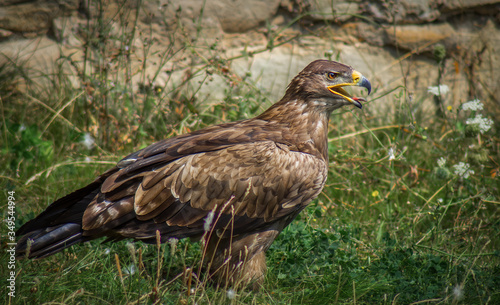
(410, 212)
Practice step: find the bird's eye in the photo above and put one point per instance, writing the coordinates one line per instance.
(331, 75)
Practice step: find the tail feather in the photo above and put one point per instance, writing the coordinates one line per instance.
(45, 242)
(69, 208)
(58, 227)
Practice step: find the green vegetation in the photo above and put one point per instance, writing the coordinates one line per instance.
(400, 221)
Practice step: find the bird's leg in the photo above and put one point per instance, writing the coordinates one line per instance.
(239, 261)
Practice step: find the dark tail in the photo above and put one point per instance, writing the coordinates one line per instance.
(58, 227)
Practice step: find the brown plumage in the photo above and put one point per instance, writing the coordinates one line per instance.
(251, 177)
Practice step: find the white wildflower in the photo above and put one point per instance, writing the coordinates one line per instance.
(88, 141)
(463, 170)
(129, 270)
(22, 127)
(107, 251)
(441, 162)
(231, 294)
(391, 154)
(483, 123)
(473, 105)
(208, 221)
(458, 292)
(438, 90)
(440, 200)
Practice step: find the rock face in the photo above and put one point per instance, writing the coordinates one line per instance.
(403, 12)
(229, 16)
(19, 16)
(418, 43)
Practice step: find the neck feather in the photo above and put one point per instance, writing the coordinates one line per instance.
(306, 123)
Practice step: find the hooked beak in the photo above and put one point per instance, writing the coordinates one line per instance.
(357, 80)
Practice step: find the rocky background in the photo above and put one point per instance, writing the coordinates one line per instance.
(410, 43)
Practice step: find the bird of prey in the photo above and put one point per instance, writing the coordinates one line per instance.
(237, 185)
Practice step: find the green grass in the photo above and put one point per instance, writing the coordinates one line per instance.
(383, 231)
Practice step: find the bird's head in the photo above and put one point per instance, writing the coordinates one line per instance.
(322, 81)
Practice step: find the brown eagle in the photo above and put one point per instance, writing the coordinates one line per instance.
(237, 185)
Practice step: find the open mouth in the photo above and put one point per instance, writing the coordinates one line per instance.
(358, 80)
(356, 101)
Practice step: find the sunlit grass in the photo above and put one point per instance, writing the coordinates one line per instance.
(409, 213)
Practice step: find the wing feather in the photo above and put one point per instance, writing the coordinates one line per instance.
(154, 177)
(178, 185)
(102, 211)
(144, 197)
(126, 189)
(160, 202)
(156, 213)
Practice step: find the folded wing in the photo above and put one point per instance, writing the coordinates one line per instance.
(252, 185)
